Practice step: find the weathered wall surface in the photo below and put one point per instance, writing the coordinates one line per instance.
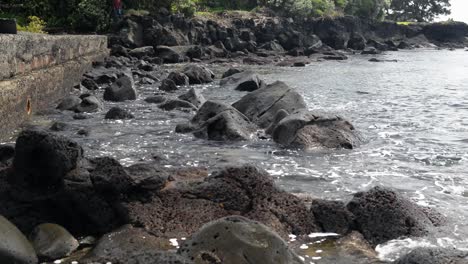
(36, 70)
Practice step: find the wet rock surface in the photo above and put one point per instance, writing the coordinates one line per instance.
(308, 130)
(221, 122)
(382, 214)
(198, 74)
(261, 106)
(238, 240)
(121, 90)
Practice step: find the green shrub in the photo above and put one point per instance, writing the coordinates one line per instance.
(35, 25)
(186, 7)
(91, 15)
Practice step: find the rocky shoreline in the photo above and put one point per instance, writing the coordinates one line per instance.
(95, 210)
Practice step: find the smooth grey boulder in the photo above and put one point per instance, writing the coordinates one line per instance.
(52, 241)
(309, 130)
(69, 103)
(221, 122)
(89, 104)
(43, 159)
(168, 85)
(178, 78)
(134, 246)
(261, 106)
(168, 54)
(238, 240)
(231, 71)
(194, 97)
(198, 74)
(14, 246)
(118, 113)
(434, 256)
(121, 90)
(382, 214)
(244, 81)
(172, 104)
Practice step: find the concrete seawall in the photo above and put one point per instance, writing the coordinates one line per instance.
(36, 70)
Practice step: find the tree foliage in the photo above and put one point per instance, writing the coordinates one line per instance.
(418, 10)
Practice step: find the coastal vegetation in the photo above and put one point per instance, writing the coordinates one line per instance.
(96, 15)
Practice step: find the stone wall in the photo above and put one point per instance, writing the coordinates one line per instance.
(36, 70)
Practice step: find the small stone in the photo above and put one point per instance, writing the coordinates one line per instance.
(118, 113)
(168, 85)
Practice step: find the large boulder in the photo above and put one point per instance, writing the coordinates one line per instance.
(89, 104)
(69, 103)
(308, 130)
(169, 55)
(168, 85)
(382, 214)
(194, 97)
(432, 255)
(198, 74)
(42, 159)
(261, 106)
(333, 32)
(238, 240)
(14, 246)
(243, 81)
(221, 122)
(52, 241)
(357, 42)
(121, 90)
(178, 78)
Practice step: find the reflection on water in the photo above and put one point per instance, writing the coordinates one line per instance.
(413, 115)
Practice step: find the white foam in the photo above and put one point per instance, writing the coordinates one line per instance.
(393, 249)
(174, 242)
(312, 235)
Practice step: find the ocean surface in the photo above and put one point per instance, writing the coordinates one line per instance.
(412, 114)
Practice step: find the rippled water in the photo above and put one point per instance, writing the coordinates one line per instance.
(412, 113)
